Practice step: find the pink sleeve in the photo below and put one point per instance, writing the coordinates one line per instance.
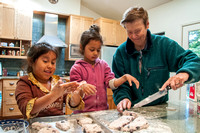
(108, 74)
(75, 74)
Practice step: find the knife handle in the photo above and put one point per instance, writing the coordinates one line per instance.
(168, 87)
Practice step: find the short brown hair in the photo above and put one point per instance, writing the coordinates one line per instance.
(134, 13)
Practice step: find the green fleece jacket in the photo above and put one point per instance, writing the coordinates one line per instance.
(160, 57)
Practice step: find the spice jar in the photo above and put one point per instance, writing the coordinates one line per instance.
(4, 72)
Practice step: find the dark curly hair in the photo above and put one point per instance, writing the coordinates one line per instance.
(92, 34)
(36, 51)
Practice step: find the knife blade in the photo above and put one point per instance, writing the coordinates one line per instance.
(152, 98)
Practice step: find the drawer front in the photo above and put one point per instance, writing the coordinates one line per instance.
(9, 83)
(109, 92)
(11, 110)
(9, 97)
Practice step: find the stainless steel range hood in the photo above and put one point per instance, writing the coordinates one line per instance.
(50, 31)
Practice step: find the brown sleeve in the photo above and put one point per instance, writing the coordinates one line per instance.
(23, 95)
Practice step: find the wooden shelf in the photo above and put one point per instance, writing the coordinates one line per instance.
(2, 47)
(13, 57)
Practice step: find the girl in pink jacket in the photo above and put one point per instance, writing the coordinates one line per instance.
(95, 71)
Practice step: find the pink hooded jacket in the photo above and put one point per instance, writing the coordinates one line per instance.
(99, 76)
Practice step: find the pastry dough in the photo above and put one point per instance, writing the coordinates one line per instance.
(48, 130)
(63, 125)
(40, 125)
(137, 124)
(120, 122)
(92, 128)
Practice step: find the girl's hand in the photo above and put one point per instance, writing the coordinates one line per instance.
(87, 89)
(60, 88)
(131, 79)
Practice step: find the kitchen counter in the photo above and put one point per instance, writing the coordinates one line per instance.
(9, 77)
(172, 117)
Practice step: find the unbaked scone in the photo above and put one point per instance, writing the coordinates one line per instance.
(137, 124)
(48, 130)
(84, 120)
(40, 125)
(91, 128)
(120, 122)
(63, 125)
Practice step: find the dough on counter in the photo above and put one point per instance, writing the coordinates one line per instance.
(120, 122)
(91, 128)
(63, 125)
(137, 124)
(129, 113)
(48, 130)
(40, 125)
(84, 120)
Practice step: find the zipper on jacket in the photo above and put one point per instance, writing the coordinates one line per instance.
(140, 62)
(152, 68)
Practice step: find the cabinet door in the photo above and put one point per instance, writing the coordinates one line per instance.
(75, 29)
(121, 34)
(7, 21)
(87, 22)
(24, 24)
(107, 30)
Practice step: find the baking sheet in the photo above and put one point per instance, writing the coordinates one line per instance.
(76, 128)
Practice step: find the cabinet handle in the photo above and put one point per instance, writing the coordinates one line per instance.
(12, 83)
(11, 94)
(11, 109)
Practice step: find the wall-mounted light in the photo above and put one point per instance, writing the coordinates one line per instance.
(53, 1)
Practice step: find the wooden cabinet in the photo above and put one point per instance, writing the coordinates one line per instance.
(110, 99)
(7, 21)
(121, 34)
(76, 25)
(9, 105)
(23, 24)
(112, 32)
(15, 28)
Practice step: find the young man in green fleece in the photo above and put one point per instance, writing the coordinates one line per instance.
(150, 59)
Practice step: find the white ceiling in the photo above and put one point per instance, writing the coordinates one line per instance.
(114, 9)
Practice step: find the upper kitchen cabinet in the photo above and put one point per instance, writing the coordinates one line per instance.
(24, 24)
(76, 25)
(15, 23)
(112, 32)
(15, 32)
(121, 34)
(7, 21)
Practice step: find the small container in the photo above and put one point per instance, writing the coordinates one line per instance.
(9, 52)
(17, 53)
(3, 52)
(11, 44)
(22, 51)
(13, 53)
(21, 73)
(5, 72)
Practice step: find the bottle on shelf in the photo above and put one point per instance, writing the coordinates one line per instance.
(4, 71)
(22, 51)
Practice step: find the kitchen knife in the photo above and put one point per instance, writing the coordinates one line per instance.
(152, 98)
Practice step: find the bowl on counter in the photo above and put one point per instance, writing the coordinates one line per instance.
(14, 126)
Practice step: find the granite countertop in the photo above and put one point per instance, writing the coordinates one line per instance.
(172, 117)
